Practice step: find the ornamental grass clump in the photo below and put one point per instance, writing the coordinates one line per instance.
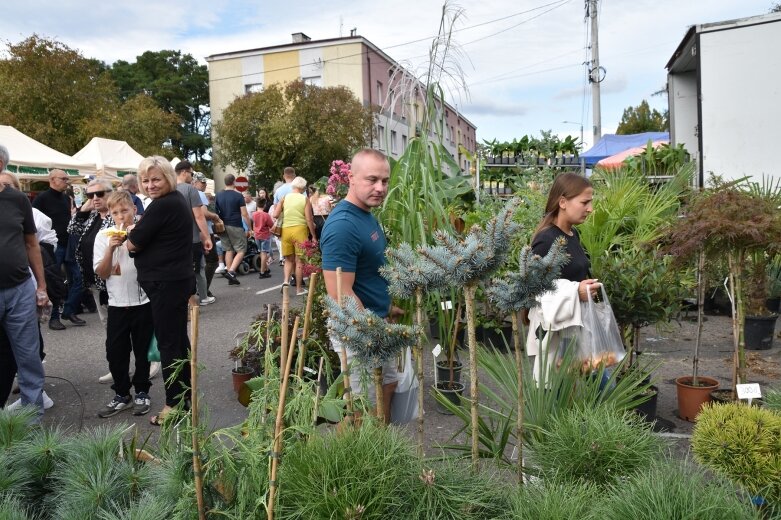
(674, 490)
(594, 444)
(447, 490)
(11, 508)
(40, 452)
(550, 500)
(743, 444)
(360, 472)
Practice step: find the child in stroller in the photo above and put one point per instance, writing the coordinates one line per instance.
(251, 258)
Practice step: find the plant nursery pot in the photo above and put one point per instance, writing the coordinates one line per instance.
(443, 371)
(500, 339)
(758, 331)
(724, 396)
(691, 398)
(453, 395)
(240, 375)
(647, 410)
(773, 304)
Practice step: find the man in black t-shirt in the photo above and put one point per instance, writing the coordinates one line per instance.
(56, 204)
(19, 296)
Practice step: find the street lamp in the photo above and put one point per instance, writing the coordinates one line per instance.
(581, 129)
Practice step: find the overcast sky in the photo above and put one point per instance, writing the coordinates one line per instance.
(522, 59)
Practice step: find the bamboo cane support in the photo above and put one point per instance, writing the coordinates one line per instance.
(307, 320)
(285, 326)
(276, 449)
(419, 365)
(348, 393)
(379, 394)
(700, 315)
(469, 297)
(519, 369)
(197, 470)
(317, 391)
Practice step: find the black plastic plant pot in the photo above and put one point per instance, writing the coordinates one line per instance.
(647, 410)
(453, 393)
(758, 331)
(443, 371)
(773, 304)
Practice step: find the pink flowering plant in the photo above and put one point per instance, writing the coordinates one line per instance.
(339, 180)
(311, 261)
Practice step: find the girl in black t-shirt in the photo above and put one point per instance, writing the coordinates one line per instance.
(569, 204)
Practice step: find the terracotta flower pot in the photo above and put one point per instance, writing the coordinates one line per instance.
(691, 398)
(240, 375)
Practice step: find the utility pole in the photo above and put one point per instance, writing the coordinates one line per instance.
(595, 75)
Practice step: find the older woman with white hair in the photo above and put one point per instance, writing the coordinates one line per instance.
(297, 225)
(85, 224)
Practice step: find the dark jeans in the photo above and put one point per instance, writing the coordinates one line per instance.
(212, 261)
(129, 329)
(73, 274)
(168, 300)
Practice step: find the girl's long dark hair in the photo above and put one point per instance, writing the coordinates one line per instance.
(567, 185)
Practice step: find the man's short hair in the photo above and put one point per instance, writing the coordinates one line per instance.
(370, 152)
(160, 164)
(129, 180)
(289, 172)
(299, 183)
(230, 179)
(4, 157)
(183, 165)
(119, 198)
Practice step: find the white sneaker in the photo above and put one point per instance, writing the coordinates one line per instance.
(47, 403)
(221, 269)
(104, 380)
(154, 369)
(208, 300)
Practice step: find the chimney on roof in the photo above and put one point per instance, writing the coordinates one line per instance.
(354, 31)
(300, 37)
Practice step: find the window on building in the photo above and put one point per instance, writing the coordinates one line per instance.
(403, 142)
(381, 137)
(394, 146)
(392, 100)
(379, 93)
(317, 81)
(452, 133)
(253, 87)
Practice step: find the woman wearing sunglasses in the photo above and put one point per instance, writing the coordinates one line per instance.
(90, 218)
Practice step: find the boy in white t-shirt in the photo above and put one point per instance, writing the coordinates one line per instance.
(129, 325)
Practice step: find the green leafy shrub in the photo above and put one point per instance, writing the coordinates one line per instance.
(548, 500)
(38, 454)
(450, 490)
(672, 490)
(742, 443)
(358, 473)
(594, 444)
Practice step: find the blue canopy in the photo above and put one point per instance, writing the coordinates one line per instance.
(611, 144)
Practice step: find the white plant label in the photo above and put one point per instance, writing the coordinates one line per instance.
(437, 350)
(447, 305)
(748, 391)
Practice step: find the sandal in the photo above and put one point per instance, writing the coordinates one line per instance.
(159, 419)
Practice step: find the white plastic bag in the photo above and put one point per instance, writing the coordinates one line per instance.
(600, 340)
(404, 405)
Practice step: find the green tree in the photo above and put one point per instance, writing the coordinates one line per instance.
(179, 85)
(139, 121)
(297, 125)
(48, 91)
(642, 119)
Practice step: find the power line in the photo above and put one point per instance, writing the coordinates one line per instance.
(556, 5)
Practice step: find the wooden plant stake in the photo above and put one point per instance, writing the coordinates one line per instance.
(317, 391)
(519, 368)
(348, 393)
(307, 320)
(419, 365)
(276, 450)
(379, 394)
(469, 298)
(285, 326)
(197, 471)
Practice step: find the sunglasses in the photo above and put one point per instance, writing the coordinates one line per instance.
(98, 194)
(66, 179)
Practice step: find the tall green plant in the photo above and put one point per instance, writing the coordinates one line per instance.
(629, 212)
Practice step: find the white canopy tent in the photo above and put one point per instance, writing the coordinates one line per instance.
(32, 160)
(111, 158)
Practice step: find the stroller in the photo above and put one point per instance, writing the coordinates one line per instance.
(251, 258)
